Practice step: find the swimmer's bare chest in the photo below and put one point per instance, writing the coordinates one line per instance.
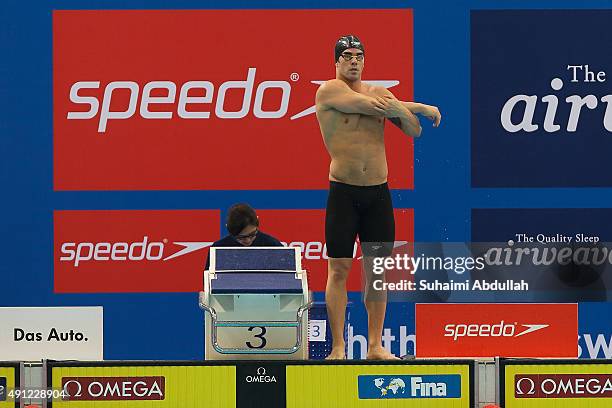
(356, 147)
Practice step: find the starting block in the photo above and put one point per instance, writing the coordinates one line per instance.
(257, 301)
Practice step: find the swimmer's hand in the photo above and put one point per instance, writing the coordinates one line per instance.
(392, 107)
(432, 113)
(400, 115)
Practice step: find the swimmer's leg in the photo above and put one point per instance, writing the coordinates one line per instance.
(341, 224)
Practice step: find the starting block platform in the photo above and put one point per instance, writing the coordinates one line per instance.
(256, 301)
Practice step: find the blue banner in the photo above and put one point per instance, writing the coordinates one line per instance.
(409, 386)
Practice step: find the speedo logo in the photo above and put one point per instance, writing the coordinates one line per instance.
(80, 252)
(191, 93)
(315, 250)
(502, 329)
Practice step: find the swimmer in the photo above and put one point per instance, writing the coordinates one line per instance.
(352, 117)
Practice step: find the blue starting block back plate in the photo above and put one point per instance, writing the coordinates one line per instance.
(261, 282)
(255, 259)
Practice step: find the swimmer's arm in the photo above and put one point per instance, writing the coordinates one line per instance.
(400, 115)
(429, 111)
(338, 96)
(414, 107)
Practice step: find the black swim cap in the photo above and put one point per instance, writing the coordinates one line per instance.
(345, 42)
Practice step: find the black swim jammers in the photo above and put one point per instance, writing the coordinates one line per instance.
(366, 211)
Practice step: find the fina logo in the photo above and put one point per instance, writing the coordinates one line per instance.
(409, 386)
(418, 387)
(396, 385)
(261, 377)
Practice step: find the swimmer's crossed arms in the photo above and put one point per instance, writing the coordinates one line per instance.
(375, 101)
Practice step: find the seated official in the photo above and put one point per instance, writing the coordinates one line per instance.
(243, 227)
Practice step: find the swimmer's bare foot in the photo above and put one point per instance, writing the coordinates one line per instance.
(380, 353)
(337, 353)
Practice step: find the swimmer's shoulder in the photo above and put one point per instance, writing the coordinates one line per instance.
(332, 85)
(329, 89)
